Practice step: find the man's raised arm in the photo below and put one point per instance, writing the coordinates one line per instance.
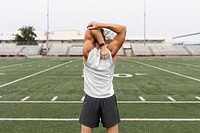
(118, 40)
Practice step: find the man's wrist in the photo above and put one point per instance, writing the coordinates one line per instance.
(102, 44)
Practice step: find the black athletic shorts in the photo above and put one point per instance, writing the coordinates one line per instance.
(96, 109)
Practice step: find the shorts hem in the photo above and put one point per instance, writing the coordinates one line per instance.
(88, 125)
(111, 125)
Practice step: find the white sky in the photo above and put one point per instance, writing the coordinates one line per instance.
(164, 17)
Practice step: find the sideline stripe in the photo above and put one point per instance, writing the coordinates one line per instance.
(120, 102)
(24, 99)
(172, 99)
(123, 119)
(184, 64)
(35, 74)
(54, 98)
(17, 64)
(165, 70)
(142, 98)
(197, 98)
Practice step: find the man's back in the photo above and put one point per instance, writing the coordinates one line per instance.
(98, 75)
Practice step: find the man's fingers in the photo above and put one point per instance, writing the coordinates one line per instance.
(104, 56)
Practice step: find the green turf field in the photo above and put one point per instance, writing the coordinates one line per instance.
(160, 95)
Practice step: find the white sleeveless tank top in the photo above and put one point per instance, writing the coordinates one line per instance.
(98, 75)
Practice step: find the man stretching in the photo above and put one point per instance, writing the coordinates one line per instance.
(99, 62)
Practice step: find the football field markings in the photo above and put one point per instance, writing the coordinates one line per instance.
(162, 69)
(18, 64)
(54, 98)
(123, 119)
(184, 64)
(142, 98)
(197, 98)
(171, 99)
(20, 79)
(120, 102)
(26, 98)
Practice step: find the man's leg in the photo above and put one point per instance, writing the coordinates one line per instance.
(85, 129)
(113, 129)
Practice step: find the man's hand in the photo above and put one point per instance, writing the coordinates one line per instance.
(93, 25)
(104, 52)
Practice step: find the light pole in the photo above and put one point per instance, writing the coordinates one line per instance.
(47, 34)
(144, 22)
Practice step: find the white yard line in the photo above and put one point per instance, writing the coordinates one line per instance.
(54, 98)
(26, 98)
(142, 98)
(171, 99)
(119, 102)
(123, 119)
(20, 79)
(18, 64)
(184, 64)
(165, 70)
(197, 98)
(160, 119)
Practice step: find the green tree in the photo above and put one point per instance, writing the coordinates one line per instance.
(26, 36)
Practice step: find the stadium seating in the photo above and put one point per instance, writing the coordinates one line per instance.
(140, 49)
(58, 49)
(194, 50)
(75, 51)
(180, 50)
(9, 50)
(30, 50)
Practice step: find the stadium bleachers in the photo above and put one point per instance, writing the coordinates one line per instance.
(14, 50)
(180, 50)
(75, 49)
(194, 50)
(9, 49)
(164, 50)
(30, 50)
(140, 49)
(58, 49)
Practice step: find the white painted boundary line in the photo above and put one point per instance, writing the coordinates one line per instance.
(54, 98)
(184, 64)
(161, 119)
(35, 74)
(197, 98)
(120, 102)
(142, 98)
(18, 64)
(165, 70)
(24, 99)
(172, 99)
(123, 119)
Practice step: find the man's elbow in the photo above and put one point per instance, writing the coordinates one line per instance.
(124, 28)
(123, 32)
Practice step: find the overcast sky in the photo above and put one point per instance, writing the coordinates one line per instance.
(164, 17)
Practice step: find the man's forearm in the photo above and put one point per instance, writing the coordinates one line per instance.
(98, 36)
(114, 27)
